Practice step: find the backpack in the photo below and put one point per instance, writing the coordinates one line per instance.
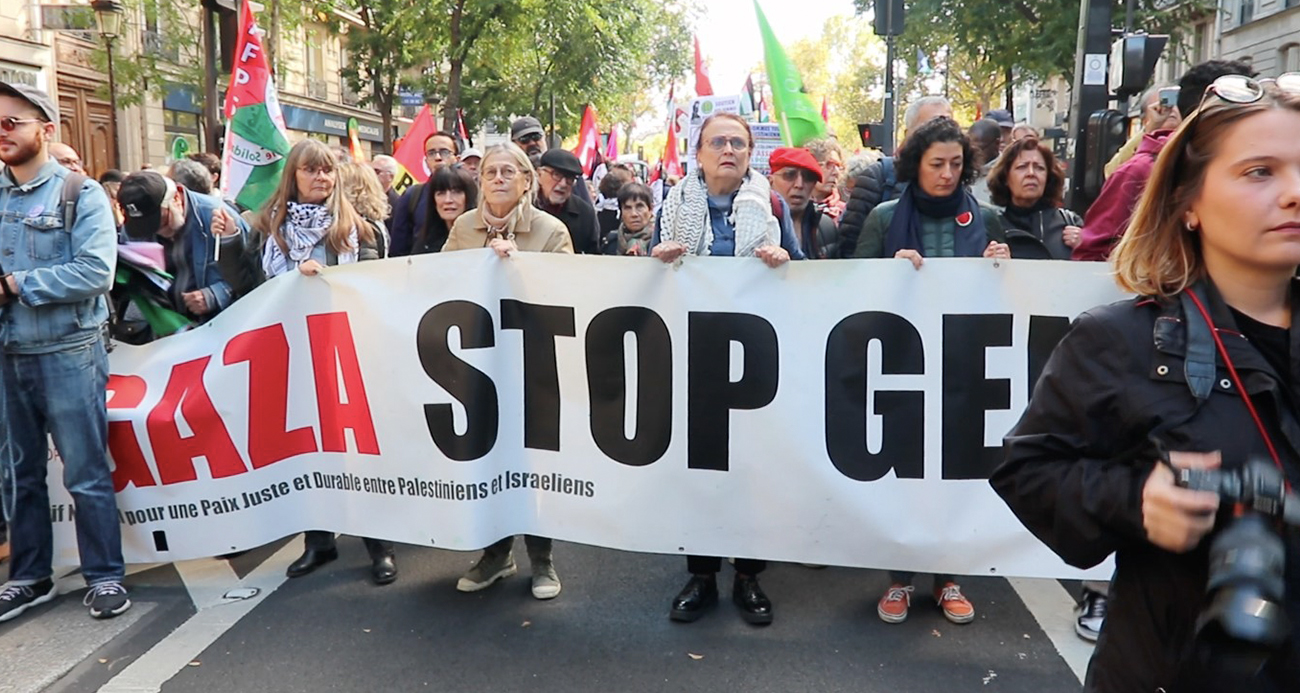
(68, 199)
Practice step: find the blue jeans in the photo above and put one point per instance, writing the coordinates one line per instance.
(60, 394)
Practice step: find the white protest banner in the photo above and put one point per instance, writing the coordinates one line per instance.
(767, 138)
(701, 109)
(834, 412)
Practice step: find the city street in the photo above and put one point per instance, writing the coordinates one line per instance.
(607, 631)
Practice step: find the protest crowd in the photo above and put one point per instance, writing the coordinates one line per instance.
(142, 255)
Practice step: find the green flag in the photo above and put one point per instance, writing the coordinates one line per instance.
(800, 121)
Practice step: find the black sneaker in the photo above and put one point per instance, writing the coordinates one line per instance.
(1092, 614)
(107, 599)
(15, 599)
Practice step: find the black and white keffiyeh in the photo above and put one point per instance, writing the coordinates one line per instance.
(686, 216)
(303, 228)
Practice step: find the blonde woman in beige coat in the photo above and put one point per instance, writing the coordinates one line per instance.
(505, 219)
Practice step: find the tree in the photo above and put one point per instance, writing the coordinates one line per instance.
(170, 53)
(993, 41)
(577, 52)
(395, 38)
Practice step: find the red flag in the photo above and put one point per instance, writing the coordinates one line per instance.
(671, 162)
(460, 126)
(611, 147)
(588, 149)
(702, 85)
(826, 112)
(411, 154)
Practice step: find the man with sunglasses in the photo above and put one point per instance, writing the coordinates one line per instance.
(528, 134)
(53, 363)
(795, 176)
(559, 177)
(412, 211)
(1109, 214)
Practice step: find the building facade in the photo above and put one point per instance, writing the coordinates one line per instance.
(1265, 33)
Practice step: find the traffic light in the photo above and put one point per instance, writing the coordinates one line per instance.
(889, 17)
(874, 135)
(1107, 132)
(1133, 62)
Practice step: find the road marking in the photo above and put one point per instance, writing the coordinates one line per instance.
(1053, 607)
(206, 580)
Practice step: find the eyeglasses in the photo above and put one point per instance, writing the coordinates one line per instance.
(737, 144)
(790, 174)
(10, 123)
(502, 172)
(1241, 90)
(316, 170)
(530, 138)
(439, 153)
(561, 175)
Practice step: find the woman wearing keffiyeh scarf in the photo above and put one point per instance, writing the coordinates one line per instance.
(723, 208)
(308, 224)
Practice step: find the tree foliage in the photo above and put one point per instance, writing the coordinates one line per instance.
(169, 51)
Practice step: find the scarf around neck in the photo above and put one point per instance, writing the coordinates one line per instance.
(961, 208)
(639, 239)
(304, 227)
(686, 216)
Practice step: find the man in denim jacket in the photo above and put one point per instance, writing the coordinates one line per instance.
(187, 225)
(53, 365)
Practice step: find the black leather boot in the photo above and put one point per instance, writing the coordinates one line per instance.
(755, 607)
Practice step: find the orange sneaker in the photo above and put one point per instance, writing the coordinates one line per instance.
(893, 606)
(956, 608)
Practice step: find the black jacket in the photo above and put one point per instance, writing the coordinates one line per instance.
(1038, 235)
(824, 244)
(580, 218)
(868, 191)
(1077, 461)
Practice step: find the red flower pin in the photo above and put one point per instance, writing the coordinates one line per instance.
(965, 218)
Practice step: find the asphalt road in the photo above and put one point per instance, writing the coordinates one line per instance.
(607, 631)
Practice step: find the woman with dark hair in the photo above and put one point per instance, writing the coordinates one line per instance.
(935, 216)
(636, 211)
(454, 193)
(1028, 182)
(1198, 370)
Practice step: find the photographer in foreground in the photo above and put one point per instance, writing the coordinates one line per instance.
(1201, 364)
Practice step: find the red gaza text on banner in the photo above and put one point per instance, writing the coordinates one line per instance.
(266, 351)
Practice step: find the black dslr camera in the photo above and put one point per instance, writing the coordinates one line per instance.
(1245, 622)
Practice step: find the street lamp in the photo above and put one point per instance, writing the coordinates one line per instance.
(108, 15)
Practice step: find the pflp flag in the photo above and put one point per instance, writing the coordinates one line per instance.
(703, 86)
(793, 108)
(588, 149)
(256, 142)
(410, 156)
(611, 146)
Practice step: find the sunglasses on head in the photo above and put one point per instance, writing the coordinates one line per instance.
(1240, 89)
(10, 123)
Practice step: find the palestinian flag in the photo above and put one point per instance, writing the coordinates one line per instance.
(256, 143)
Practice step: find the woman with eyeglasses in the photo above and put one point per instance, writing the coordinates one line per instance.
(936, 216)
(507, 222)
(722, 208)
(1198, 370)
(307, 225)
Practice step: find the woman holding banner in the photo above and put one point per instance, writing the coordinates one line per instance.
(935, 216)
(1199, 370)
(308, 225)
(723, 208)
(507, 222)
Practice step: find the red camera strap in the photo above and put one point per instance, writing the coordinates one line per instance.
(1236, 381)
